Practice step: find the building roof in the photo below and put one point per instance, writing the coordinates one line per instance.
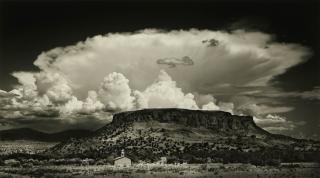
(120, 157)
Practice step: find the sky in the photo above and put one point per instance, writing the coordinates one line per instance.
(72, 64)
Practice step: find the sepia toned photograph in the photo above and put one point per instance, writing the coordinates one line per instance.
(160, 88)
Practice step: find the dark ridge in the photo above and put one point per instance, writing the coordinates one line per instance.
(34, 135)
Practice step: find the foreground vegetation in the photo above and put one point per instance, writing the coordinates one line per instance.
(227, 157)
(150, 150)
(155, 170)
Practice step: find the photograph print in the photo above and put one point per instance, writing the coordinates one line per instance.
(160, 88)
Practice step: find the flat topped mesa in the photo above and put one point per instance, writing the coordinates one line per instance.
(143, 131)
(216, 120)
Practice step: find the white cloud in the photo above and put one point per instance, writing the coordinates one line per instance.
(5, 94)
(115, 92)
(260, 109)
(203, 99)
(240, 59)
(27, 88)
(25, 79)
(164, 93)
(54, 85)
(313, 94)
(210, 106)
(140, 100)
(268, 114)
(92, 103)
(271, 119)
(226, 106)
(275, 123)
(93, 76)
(73, 105)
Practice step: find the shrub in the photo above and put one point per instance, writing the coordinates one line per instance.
(273, 162)
(12, 162)
(203, 167)
(141, 171)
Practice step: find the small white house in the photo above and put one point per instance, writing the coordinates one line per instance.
(122, 161)
(163, 160)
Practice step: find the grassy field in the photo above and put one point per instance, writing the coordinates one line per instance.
(48, 168)
(160, 171)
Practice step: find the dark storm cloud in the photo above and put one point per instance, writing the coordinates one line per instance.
(211, 43)
(173, 62)
(54, 124)
(251, 24)
(313, 94)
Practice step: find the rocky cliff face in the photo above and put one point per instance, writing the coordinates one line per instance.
(213, 120)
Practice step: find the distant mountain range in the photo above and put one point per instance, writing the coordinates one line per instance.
(34, 135)
(187, 136)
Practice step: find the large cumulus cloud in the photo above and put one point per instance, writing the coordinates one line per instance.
(241, 58)
(121, 71)
(164, 93)
(115, 92)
